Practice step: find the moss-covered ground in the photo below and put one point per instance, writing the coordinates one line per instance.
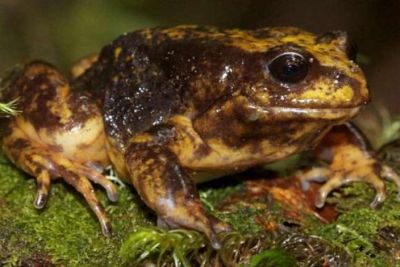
(274, 225)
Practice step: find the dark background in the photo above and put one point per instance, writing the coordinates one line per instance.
(62, 31)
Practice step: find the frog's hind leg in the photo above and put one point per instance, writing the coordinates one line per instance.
(57, 134)
(45, 164)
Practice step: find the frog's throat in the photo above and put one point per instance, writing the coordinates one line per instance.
(289, 113)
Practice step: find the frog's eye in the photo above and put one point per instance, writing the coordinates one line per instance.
(289, 67)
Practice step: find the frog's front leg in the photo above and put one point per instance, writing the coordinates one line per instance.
(165, 184)
(350, 160)
(59, 133)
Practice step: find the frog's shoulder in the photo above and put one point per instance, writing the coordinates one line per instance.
(131, 87)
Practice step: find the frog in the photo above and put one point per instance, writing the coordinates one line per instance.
(171, 107)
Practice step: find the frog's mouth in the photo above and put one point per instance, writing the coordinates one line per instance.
(290, 113)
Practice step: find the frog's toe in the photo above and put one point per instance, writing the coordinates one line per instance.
(195, 220)
(79, 177)
(96, 177)
(315, 174)
(340, 178)
(43, 186)
(218, 225)
(84, 186)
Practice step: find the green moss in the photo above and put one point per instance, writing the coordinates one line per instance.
(213, 194)
(181, 247)
(240, 216)
(67, 233)
(361, 230)
(273, 257)
(66, 230)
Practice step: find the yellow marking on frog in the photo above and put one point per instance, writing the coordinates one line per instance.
(324, 91)
(304, 39)
(147, 33)
(33, 105)
(239, 38)
(259, 92)
(83, 64)
(263, 98)
(141, 138)
(66, 113)
(345, 93)
(149, 162)
(331, 56)
(59, 106)
(181, 121)
(61, 110)
(176, 33)
(117, 51)
(249, 43)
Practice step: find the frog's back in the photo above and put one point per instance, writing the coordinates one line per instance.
(145, 77)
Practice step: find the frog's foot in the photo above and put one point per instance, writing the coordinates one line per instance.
(369, 171)
(46, 164)
(350, 160)
(166, 188)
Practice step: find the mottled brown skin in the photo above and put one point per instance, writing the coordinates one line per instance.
(170, 107)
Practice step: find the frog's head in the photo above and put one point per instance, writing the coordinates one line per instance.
(308, 75)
